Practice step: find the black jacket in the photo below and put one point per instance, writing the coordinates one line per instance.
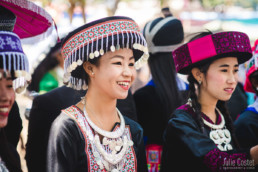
(45, 109)
(67, 152)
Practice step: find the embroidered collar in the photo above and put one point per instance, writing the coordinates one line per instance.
(189, 109)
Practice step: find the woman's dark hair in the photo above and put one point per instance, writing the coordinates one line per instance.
(84, 75)
(49, 62)
(12, 72)
(164, 76)
(7, 155)
(254, 76)
(197, 106)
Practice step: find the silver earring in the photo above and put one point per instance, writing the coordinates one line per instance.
(257, 88)
(200, 82)
(92, 73)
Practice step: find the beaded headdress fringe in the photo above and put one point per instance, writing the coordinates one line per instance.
(99, 46)
(13, 60)
(18, 63)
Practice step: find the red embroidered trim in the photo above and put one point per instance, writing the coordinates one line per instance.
(94, 32)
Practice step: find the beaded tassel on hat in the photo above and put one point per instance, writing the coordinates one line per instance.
(97, 38)
(14, 59)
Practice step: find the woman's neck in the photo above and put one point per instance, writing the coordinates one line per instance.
(101, 104)
(101, 110)
(208, 108)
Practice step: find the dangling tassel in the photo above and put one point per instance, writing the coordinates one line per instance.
(112, 48)
(96, 53)
(123, 39)
(87, 50)
(117, 42)
(101, 51)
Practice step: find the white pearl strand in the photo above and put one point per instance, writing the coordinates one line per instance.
(106, 155)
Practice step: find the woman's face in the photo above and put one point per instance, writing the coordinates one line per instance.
(115, 74)
(221, 80)
(7, 97)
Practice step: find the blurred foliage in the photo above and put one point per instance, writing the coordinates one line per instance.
(210, 4)
(163, 3)
(248, 3)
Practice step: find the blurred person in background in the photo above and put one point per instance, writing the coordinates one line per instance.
(14, 77)
(49, 73)
(14, 127)
(247, 123)
(200, 135)
(165, 92)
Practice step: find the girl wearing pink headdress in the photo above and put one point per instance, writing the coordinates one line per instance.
(199, 136)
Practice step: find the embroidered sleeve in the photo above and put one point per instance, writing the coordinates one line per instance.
(217, 160)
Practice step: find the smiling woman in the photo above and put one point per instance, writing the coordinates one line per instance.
(200, 134)
(93, 135)
(7, 97)
(13, 77)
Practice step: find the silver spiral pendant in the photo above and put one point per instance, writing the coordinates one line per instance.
(222, 138)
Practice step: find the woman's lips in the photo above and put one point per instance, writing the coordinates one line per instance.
(4, 110)
(124, 84)
(229, 90)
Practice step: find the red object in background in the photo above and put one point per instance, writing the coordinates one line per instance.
(32, 21)
(154, 153)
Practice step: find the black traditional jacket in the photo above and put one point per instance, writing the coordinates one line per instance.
(69, 149)
(188, 148)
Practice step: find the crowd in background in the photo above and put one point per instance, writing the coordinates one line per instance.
(167, 107)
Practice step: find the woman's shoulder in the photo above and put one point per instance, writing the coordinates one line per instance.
(63, 121)
(249, 116)
(184, 110)
(65, 129)
(183, 114)
(66, 121)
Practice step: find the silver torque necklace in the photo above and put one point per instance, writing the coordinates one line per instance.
(213, 126)
(220, 134)
(111, 153)
(114, 134)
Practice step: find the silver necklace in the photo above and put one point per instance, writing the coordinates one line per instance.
(113, 135)
(220, 134)
(111, 153)
(213, 126)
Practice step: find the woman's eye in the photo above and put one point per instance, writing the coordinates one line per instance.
(224, 70)
(131, 64)
(236, 70)
(9, 86)
(117, 63)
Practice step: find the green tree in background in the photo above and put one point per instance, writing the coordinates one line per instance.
(210, 4)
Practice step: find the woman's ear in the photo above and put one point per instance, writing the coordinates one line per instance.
(88, 67)
(197, 74)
